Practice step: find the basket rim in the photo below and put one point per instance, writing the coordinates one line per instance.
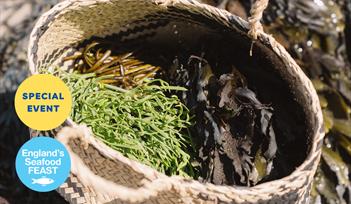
(265, 39)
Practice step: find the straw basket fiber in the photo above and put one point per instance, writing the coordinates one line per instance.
(102, 175)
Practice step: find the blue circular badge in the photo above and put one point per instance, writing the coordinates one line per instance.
(43, 164)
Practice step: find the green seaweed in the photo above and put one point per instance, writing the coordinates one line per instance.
(142, 123)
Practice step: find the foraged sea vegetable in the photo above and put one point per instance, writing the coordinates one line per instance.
(233, 137)
(142, 123)
(123, 70)
(317, 34)
(233, 132)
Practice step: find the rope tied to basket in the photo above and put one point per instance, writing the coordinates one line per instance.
(256, 14)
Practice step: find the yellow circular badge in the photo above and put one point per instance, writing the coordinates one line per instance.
(43, 102)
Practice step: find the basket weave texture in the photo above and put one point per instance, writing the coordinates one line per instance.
(102, 175)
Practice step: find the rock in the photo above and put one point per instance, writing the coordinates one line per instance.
(5, 13)
(3, 31)
(3, 201)
(20, 15)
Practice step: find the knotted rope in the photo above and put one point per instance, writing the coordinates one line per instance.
(256, 13)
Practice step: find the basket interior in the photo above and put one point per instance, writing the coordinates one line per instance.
(177, 29)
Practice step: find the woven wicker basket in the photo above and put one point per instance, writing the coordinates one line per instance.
(102, 175)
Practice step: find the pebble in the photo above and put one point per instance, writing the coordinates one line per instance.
(17, 18)
(4, 14)
(3, 201)
(3, 31)
(20, 15)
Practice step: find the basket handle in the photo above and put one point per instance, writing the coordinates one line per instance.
(256, 13)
